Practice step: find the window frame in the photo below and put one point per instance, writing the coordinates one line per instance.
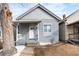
(47, 24)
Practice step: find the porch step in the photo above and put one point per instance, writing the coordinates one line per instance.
(70, 41)
(32, 44)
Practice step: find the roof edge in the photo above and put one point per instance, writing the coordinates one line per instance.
(42, 7)
(72, 13)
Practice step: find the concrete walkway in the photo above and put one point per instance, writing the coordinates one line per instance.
(28, 51)
(24, 51)
(19, 50)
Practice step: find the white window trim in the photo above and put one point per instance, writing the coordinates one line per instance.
(47, 24)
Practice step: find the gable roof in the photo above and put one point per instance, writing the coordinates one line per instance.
(75, 20)
(72, 13)
(43, 8)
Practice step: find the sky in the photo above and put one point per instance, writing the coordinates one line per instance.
(57, 8)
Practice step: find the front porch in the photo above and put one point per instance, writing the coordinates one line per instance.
(27, 33)
(73, 31)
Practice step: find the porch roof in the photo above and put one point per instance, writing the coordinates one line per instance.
(73, 23)
(27, 21)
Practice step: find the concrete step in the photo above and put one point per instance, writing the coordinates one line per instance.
(32, 44)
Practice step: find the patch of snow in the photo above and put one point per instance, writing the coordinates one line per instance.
(1, 50)
(46, 43)
(19, 50)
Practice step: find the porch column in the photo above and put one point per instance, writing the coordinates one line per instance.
(17, 31)
(38, 31)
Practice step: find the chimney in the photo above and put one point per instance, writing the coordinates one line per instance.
(64, 17)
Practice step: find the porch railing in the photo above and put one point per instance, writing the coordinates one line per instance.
(74, 36)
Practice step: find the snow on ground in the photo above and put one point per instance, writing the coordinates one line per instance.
(19, 50)
(1, 50)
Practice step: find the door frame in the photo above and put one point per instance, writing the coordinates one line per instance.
(34, 30)
(30, 26)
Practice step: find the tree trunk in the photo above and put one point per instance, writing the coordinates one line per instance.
(8, 39)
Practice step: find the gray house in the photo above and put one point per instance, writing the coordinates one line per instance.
(38, 25)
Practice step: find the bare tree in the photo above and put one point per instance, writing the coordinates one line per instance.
(8, 39)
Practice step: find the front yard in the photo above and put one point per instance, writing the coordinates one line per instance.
(60, 49)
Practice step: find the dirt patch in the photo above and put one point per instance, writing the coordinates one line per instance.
(60, 49)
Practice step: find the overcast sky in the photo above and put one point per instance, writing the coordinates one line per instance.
(57, 8)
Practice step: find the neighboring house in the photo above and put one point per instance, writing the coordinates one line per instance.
(37, 25)
(73, 25)
(69, 27)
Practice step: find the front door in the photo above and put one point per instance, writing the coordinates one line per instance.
(33, 33)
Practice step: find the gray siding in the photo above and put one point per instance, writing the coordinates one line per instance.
(45, 18)
(37, 14)
(54, 33)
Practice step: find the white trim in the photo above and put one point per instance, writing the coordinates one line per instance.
(38, 31)
(47, 33)
(47, 24)
(1, 32)
(16, 32)
(30, 26)
(46, 43)
(29, 20)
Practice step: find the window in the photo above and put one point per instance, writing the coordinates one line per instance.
(47, 27)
